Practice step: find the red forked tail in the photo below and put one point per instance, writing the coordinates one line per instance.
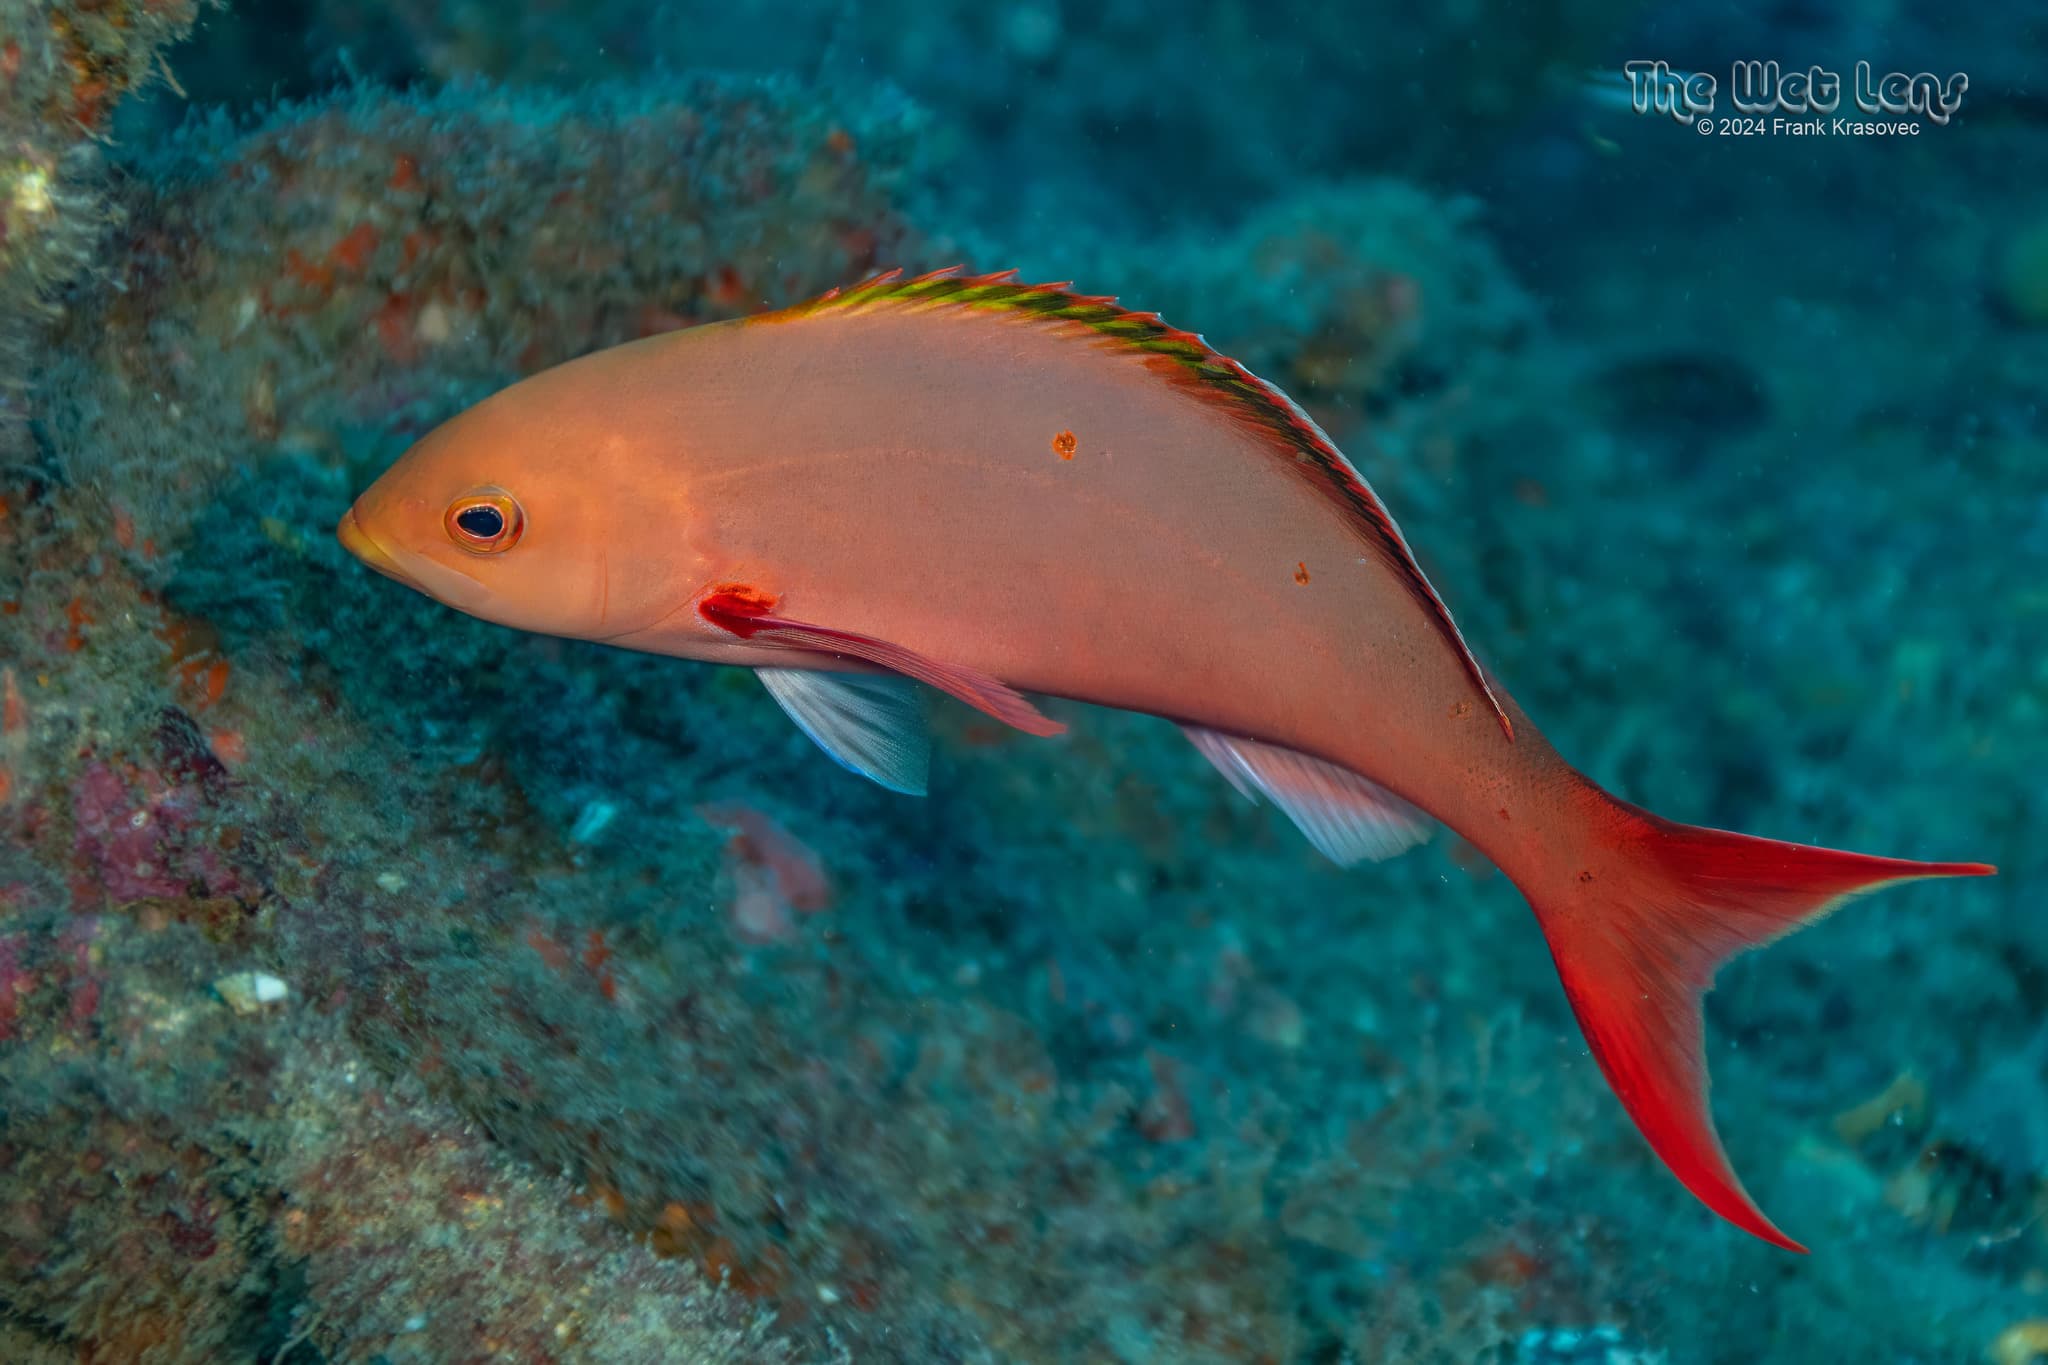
(1639, 930)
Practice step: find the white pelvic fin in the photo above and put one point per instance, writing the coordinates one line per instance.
(869, 723)
(1347, 817)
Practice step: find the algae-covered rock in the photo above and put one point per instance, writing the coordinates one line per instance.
(64, 66)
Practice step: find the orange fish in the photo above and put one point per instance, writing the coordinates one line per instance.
(994, 488)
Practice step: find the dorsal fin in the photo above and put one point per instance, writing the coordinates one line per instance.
(1185, 358)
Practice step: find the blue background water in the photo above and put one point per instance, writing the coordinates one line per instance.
(1728, 452)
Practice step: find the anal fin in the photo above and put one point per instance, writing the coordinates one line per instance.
(871, 724)
(1348, 818)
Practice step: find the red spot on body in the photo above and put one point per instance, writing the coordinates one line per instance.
(1301, 573)
(734, 606)
(1065, 444)
(405, 173)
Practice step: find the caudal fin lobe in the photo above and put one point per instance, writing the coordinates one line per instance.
(1637, 934)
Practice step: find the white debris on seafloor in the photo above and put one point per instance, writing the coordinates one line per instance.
(249, 992)
(591, 821)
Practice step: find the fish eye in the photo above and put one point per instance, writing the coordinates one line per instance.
(485, 521)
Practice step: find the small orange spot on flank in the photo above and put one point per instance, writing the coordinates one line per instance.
(1301, 573)
(405, 173)
(1064, 445)
(840, 141)
(6, 783)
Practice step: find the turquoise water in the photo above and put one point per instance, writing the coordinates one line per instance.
(379, 984)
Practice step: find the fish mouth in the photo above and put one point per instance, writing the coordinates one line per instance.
(359, 543)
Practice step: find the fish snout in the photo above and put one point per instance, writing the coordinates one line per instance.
(359, 543)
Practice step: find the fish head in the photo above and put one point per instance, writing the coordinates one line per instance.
(535, 509)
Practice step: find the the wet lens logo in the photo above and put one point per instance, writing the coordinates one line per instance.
(1769, 100)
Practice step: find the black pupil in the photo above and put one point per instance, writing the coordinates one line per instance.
(483, 521)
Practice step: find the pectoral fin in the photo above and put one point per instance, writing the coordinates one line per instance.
(869, 723)
(1347, 817)
(747, 613)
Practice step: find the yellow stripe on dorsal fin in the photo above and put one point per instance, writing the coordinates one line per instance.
(1288, 432)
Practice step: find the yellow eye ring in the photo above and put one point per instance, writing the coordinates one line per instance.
(487, 521)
